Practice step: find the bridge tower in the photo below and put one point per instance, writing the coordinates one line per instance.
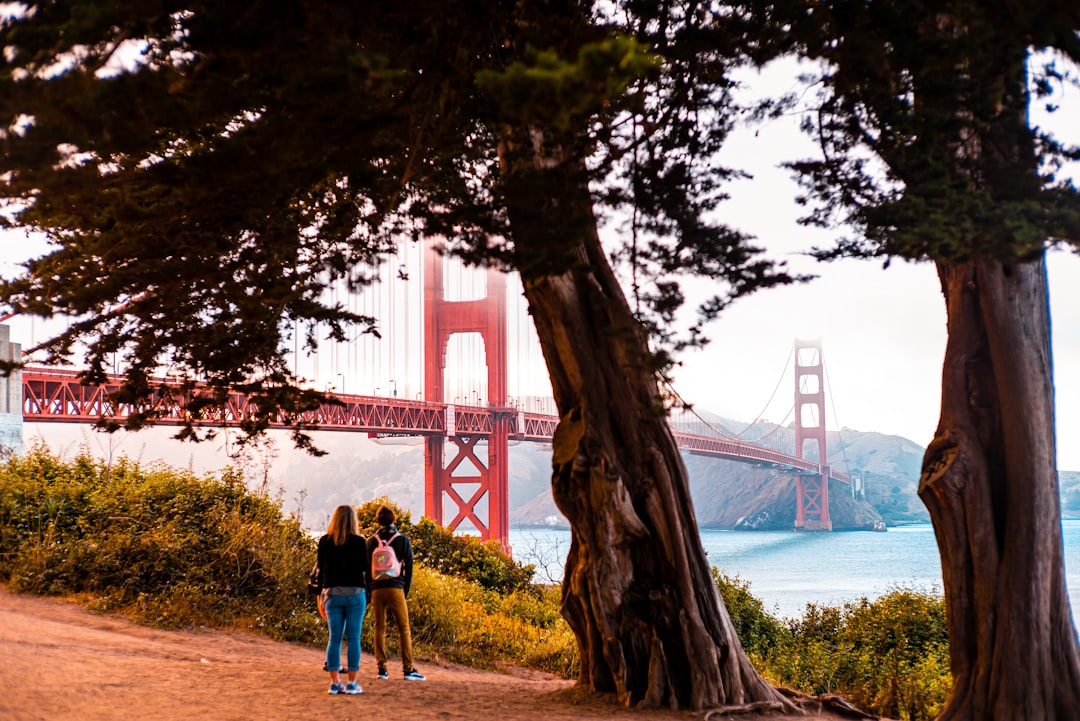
(811, 489)
(463, 482)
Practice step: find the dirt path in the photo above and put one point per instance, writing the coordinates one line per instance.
(59, 661)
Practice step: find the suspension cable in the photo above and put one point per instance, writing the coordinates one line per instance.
(832, 405)
(753, 423)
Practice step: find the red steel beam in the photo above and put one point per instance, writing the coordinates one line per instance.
(56, 396)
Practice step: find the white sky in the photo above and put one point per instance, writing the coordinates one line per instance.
(882, 330)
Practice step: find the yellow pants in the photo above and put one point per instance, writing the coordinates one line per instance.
(392, 600)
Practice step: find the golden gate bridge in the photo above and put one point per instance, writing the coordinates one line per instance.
(466, 425)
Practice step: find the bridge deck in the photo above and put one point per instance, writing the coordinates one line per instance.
(56, 396)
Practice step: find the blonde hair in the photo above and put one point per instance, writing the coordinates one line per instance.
(342, 525)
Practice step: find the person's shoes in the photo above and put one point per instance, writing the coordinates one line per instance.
(336, 688)
(353, 688)
(383, 675)
(415, 675)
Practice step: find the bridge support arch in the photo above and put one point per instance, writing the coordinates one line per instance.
(811, 489)
(459, 486)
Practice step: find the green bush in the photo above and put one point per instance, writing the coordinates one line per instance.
(758, 631)
(166, 547)
(894, 656)
(174, 550)
(889, 656)
(366, 512)
(485, 563)
(473, 625)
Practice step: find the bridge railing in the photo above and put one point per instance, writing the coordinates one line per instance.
(57, 396)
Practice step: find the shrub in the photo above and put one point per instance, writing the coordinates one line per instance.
(366, 512)
(485, 563)
(896, 654)
(166, 547)
(466, 623)
(758, 631)
(174, 550)
(889, 656)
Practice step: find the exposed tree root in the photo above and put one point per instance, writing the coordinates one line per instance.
(843, 706)
(722, 711)
(803, 705)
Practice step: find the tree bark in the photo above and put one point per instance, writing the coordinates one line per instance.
(990, 483)
(638, 592)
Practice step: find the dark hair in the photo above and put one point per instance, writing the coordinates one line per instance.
(385, 516)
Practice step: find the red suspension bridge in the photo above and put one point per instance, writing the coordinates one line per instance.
(466, 443)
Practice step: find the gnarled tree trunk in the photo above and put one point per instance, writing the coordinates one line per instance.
(638, 591)
(990, 483)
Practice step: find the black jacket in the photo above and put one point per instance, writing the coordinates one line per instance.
(347, 565)
(403, 548)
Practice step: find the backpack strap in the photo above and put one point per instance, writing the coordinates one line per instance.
(388, 540)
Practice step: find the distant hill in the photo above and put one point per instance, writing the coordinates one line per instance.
(356, 469)
(726, 494)
(360, 471)
(731, 495)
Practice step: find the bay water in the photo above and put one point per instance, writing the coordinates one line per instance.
(788, 570)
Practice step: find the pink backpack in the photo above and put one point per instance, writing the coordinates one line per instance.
(384, 562)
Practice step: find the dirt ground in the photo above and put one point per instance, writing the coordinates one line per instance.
(59, 661)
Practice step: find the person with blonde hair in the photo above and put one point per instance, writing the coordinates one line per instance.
(344, 567)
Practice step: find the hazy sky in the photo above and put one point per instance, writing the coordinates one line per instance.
(882, 330)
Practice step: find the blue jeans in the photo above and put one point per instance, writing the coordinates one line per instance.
(344, 616)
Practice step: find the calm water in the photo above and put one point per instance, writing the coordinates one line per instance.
(788, 570)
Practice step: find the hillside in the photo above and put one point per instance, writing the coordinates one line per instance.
(726, 494)
(734, 495)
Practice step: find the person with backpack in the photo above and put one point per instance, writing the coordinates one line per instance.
(391, 576)
(343, 570)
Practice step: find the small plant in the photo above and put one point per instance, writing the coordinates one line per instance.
(473, 625)
(164, 546)
(485, 563)
(889, 656)
(174, 550)
(758, 631)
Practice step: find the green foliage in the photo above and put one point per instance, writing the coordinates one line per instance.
(889, 656)
(546, 90)
(366, 512)
(485, 563)
(165, 546)
(921, 115)
(439, 548)
(473, 625)
(174, 550)
(894, 655)
(758, 631)
(201, 196)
